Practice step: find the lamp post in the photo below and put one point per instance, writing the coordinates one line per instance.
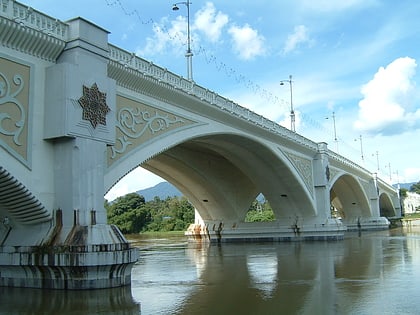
(188, 53)
(390, 172)
(377, 159)
(335, 131)
(292, 112)
(361, 148)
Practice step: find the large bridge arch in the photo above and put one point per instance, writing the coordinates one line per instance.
(222, 172)
(348, 197)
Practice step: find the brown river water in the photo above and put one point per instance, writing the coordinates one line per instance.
(367, 273)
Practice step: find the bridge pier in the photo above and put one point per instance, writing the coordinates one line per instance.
(91, 256)
(217, 231)
(75, 248)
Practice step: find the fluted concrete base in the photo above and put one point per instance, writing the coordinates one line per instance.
(90, 257)
(67, 267)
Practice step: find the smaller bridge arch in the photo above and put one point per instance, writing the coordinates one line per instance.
(386, 207)
(349, 199)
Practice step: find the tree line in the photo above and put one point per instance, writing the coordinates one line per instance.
(132, 214)
(415, 188)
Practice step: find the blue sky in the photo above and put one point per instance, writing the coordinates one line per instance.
(356, 58)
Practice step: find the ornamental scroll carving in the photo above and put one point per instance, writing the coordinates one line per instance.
(304, 168)
(138, 123)
(14, 99)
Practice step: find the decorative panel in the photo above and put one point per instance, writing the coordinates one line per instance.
(138, 123)
(14, 108)
(304, 168)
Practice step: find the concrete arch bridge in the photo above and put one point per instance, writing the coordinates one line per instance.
(77, 114)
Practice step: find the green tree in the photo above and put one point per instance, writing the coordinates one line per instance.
(128, 213)
(260, 212)
(133, 215)
(415, 188)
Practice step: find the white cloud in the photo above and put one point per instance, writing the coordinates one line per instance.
(387, 99)
(247, 43)
(329, 6)
(411, 175)
(298, 37)
(165, 38)
(210, 22)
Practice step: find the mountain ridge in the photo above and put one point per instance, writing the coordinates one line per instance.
(165, 189)
(162, 190)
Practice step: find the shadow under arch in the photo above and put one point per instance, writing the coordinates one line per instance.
(349, 199)
(386, 207)
(221, 174)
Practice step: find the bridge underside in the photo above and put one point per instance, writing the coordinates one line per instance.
(223, 174)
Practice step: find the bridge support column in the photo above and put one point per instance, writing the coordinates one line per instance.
(79, 250)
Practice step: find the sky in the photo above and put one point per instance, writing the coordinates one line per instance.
(354, 66)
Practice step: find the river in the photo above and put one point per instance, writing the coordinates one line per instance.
(367, 273)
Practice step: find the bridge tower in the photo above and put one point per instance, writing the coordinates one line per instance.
(79, 250)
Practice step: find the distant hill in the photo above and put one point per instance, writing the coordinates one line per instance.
(161, 190)
(164, 190)
(405, 185)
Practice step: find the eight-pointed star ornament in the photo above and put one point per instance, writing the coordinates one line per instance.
(94, 105)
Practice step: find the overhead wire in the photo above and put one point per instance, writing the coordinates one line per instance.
(228, 71)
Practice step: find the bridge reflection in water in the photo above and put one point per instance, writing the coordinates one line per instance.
(116, 301)
(368, 274)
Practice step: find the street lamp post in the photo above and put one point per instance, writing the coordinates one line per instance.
(292, 112)
(377, 159)
(335, 131)
(189, 53)
(361, 148)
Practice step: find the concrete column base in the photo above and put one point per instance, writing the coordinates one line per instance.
(265, 231)
(366, 224)
(67, 267)
(82, 257)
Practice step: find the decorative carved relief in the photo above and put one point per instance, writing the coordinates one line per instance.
(304, 168)
(14, 100)
(138, 123)
(94, 105)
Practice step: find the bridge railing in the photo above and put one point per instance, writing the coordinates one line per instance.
(147, 68)
(178, 82)
(27, 16)
(345, 161)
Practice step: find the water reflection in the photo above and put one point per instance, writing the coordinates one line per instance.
(22, 301)
(308, 278)
(368, 274)
(262, 269)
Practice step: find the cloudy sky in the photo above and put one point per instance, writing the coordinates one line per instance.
(356, 58)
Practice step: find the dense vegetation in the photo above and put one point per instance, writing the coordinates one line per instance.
(132, 214)
(415, 188)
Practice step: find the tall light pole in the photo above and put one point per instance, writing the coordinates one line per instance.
(292, 112)
(361, 147)
(189, 53)
(335, 131)
(390, 172)
(377, 159)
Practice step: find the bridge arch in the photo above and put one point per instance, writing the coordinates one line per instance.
(222, 172)
(349, 199)
(386, 207)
